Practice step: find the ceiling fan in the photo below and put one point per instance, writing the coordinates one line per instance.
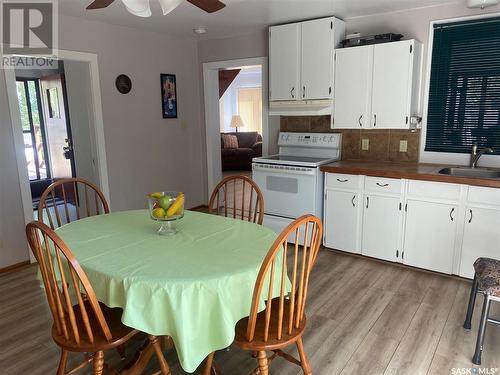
(141, 8)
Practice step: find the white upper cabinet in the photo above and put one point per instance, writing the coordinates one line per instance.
(301, 59)
(352, 91)
(392, 85)
(384, 84)
(317, 59)
(284, 60)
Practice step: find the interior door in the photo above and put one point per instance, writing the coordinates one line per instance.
(60, 145)
(317, 59)
(341, 220)
(481, 238)
(284, 43)
(381, 227)
(391, 84)
(352, 87)
(430, 235)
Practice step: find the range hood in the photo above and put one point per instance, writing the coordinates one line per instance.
(301, 107)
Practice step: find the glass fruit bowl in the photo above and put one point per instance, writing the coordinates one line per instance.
(166, 207)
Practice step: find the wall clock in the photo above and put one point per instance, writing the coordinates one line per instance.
(123, 84)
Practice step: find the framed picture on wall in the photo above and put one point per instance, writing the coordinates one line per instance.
(168, 95)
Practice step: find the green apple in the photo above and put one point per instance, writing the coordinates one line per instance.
(165, 202)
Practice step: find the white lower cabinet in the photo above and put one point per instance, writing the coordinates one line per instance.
(481, 237)
(342, 220)
(438, 226)
(381, 223)
(429, 238)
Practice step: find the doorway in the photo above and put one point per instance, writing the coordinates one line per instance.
(248, 101)
(86, 137)
(45, 122)
(240, 114)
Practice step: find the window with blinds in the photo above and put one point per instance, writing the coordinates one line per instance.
(464, 94)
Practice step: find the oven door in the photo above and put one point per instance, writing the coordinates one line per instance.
(288, 191)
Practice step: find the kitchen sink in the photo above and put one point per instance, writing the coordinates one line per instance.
(470, 172)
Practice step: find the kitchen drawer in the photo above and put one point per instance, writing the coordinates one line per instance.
(483, 195)
(433, 190)
(343, 181)
(383, 185)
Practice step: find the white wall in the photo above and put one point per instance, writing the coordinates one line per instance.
(144, 151)
(13, 246)
(244, 79)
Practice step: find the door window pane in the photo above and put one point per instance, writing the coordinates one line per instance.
(23, 105)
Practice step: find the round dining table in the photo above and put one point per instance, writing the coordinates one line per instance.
(193, 286)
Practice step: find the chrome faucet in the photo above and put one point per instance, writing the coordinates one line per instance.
(476, 154)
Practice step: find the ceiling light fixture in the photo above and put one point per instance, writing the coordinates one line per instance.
(200, 30)
(481, 3)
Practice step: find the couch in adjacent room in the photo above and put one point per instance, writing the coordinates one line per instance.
(237, 154)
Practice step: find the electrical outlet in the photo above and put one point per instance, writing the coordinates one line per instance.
(403, 145)
(365, 144)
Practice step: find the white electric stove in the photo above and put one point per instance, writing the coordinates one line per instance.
(291, 181)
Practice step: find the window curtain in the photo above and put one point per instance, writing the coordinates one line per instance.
(250, 108)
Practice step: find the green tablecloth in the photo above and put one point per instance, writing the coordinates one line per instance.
(193, 286)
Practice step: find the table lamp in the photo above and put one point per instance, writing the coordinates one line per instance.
(237, 122)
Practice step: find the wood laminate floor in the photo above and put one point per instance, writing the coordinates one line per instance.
(364, 317)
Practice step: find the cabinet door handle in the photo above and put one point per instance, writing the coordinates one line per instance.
(340, 180)
(291, 93)
(303, 91)
(359, 120)
(397, 253)
(470, 219)
(382, 185)
(374, 120)
(352, 200)
(451, 213)
(367, 201)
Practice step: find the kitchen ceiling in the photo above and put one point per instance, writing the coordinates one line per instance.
(239, 17)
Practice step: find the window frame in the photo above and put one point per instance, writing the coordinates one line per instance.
(446, 157)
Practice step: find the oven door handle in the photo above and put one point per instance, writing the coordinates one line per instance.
(269, 168)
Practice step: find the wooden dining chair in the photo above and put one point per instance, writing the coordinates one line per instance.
(80, 322)
(70, 199)
(238, 197)
(283, 321)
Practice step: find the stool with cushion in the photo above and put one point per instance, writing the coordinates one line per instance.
(486, 281)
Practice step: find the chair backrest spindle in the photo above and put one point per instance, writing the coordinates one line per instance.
(236, 202)
(287, 309)
(64, 281)
(68, 189)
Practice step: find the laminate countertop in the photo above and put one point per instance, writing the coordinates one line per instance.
(426, 172)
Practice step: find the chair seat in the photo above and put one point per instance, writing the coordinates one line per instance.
(120, 333)
(258, 343)
(488, 275)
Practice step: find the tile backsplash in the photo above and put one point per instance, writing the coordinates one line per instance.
(383, 144)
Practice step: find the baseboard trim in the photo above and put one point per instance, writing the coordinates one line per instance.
(15, 267)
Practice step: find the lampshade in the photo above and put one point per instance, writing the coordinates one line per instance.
(142, 8)
(237, 122)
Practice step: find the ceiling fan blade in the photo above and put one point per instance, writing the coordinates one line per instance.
(100, 4)
(208, 6)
